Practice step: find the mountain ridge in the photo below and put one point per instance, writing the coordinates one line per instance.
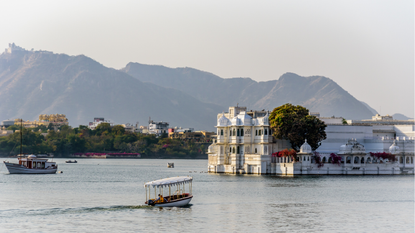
(317, 93)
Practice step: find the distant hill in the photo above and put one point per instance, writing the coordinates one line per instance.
(398, 116)
(33, 83)
(317, 93)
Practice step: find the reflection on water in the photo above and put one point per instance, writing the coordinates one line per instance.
(110, 197)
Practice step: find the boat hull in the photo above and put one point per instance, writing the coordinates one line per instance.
(20, 169)
(177, 203)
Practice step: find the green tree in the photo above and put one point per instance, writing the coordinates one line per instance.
(295, 124)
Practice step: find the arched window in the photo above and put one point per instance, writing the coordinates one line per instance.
(308, 158)
(369, 160)
(233, 150)
(407, 159)
(330, 160)
(303, 158)
(221, 132)
(242, 132)
(260, 132)
(233, 132)
(230, 132)
(362, 160)
(348, 159)
(237, 150)
(356, 159)
(230, 149)
(266, 132)
(237, 132)
(256, 150)
(256, 132)
(323, 160)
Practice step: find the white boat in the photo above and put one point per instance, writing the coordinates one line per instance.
(31, 165)
(177, 195)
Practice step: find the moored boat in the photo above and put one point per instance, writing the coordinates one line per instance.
(71, 161)
(177, 196)
(31, 165)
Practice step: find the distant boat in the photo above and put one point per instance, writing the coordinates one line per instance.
(170, 165)
(177, 185)
(31, 165)
(71, 161)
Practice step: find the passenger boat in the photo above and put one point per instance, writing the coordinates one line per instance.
(71, 161)
(177, 195)
(31, 165)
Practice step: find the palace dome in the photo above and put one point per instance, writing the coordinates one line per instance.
(236, 121)
(305, 148)
(394, 149)
(244, 118)
(223, 121)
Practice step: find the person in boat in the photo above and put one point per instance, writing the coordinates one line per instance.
(160, 199)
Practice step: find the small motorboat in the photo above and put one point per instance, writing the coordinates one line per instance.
(71, 161)
(177, 196)
(170, 165)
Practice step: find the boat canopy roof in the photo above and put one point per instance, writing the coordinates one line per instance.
(169, 181)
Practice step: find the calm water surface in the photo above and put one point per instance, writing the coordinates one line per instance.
(108, 195)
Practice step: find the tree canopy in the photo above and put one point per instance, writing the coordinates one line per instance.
(104, 138)
(295, 124)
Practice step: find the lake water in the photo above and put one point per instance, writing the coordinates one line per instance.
(97, 195)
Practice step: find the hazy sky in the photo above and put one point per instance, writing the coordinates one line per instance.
(367, 47)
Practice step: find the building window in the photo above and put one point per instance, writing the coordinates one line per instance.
(256, 132)
(256, 150)
(221, 132)
(233, 150)
(237, 132)
(266, 132)
(237, 150)
(230, 149)
(242, 132)
(230, 132)
(233, 132)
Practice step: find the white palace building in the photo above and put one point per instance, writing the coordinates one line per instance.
(245, 145)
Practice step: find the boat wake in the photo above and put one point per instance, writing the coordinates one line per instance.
(55, 211)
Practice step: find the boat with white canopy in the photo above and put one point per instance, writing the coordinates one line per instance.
(178, 194)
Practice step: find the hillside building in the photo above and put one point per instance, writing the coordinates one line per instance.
(157, 127)
(97, 121)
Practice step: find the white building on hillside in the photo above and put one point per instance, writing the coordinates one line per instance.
(245, 145)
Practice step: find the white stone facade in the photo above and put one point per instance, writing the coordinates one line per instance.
(245, 145)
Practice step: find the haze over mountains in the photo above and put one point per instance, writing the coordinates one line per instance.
(39, 82)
